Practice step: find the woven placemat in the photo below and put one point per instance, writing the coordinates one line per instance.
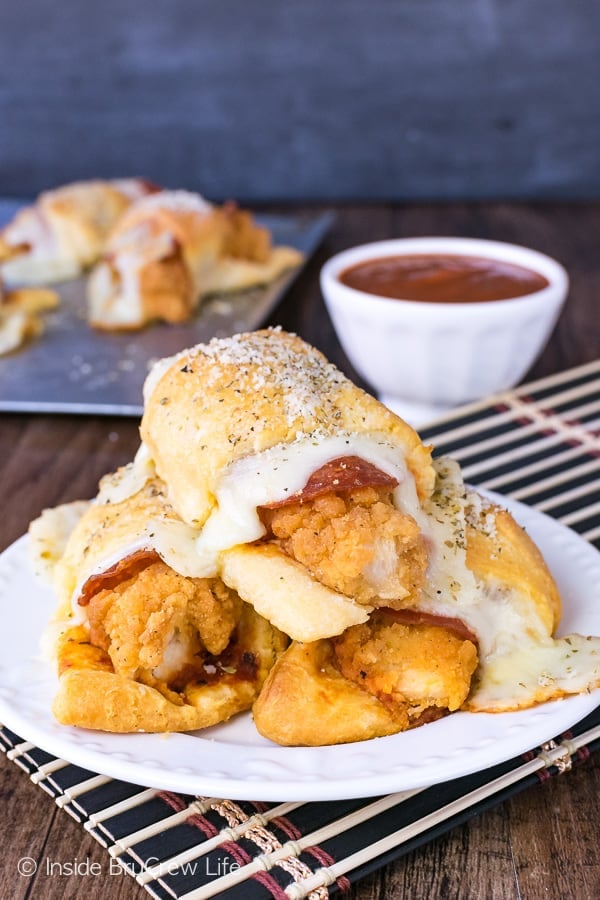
(539, 444)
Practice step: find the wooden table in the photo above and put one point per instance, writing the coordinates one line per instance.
(541, 844)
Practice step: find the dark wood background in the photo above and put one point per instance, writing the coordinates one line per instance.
(326, 99)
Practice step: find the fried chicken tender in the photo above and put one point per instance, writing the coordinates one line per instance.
(157, 624)
(416, 667)
(244, 239)
(168, 289)
(355, 542)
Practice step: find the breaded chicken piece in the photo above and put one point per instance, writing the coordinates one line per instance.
(168, 290)
(157, 624)
(355, 542)
(413, 666)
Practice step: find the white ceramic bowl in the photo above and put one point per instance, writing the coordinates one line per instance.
(423, 357)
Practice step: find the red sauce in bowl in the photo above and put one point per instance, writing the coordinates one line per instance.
(443, 278)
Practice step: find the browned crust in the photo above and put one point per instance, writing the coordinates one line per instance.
(307, 702)
(193, 434)
(11, 251)
(92, 695)
(167, 289)
(502, 551)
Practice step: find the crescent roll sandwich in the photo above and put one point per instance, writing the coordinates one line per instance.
(20, 319)
(479, 639)
(308, 492)
(140, 642)
(406, 595)
(171, 250)
(65, 231)
(280, 520)
(17, 325)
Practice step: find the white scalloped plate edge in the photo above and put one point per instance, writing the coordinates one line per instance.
(232, 760)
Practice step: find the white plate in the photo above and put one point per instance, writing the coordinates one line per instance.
(233, 760)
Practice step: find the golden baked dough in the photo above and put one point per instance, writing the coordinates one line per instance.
(272, 499)
(65, 231)
(91, 695)
(240, 426)
(17, 327)
(480, 639)
(283, 591)
(233, 398)
(141, 645)
(111, 531)
(307, 702)
(171, 250)
(20, 321)
(375, 679)
(499, 550)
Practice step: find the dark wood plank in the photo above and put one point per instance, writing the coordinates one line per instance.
(69, 863)
(45, 461)
(554, 837)
(24, 834)
(472, 861)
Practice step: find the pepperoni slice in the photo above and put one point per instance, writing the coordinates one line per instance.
(110, 578)
(342, 474)
(416, 617)
(150, 186)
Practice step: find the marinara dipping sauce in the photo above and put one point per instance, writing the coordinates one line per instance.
(442, 278)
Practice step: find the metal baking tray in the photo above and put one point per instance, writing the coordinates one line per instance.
(72, 368)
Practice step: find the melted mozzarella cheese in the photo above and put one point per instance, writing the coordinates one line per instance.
(117, 304)
(249, 483)
(128, 480)
(45, 259)
(49, 534)
(118, 301)
(519, 663)
(132, 188)
(276, 474)
(532, 671)
(173, 540)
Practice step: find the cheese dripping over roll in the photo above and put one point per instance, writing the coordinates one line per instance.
(306, 491)
(65, 230)
(140, 642)
(480, 638)
(308, 511)
(171, 250)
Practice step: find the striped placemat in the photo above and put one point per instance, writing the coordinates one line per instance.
(539, 444)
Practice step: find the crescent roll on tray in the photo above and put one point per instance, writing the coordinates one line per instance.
(277, 513)
(171, 250)
(65, 230)
(20, 315)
